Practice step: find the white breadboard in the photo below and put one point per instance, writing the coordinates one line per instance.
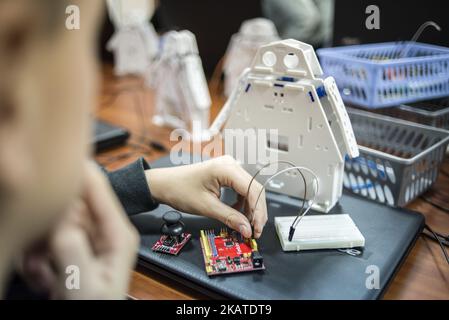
(332, 231)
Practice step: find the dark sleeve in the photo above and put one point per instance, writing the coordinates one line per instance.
(131, 187)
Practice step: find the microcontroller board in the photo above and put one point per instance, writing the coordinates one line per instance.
(228, 252)
(171, 245)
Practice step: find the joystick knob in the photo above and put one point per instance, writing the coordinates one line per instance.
(173, 226)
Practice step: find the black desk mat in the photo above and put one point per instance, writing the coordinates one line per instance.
(322, 274)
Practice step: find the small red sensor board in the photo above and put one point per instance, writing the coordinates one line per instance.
(229, 252)
(171, 244)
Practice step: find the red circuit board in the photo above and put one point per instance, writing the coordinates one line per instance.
(170, 245)
(227, 252)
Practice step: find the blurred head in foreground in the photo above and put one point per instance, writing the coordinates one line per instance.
(47, 88)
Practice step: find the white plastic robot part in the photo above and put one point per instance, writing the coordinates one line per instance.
(343, 119)
(134, 42)
(182, 95)
(129, 12)
(134, 48)
(284, 90)
(243, 46)
(288, 58)
(226, 110)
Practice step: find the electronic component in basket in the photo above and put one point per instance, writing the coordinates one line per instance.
(171, 245)
(229, 252)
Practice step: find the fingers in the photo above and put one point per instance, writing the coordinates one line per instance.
(113, 227)
(69, 243)
(116, 239)
(229, 216)
(38, 272)
(99, 198)
(260, 216)
(231, 174)
(70, 247)
(96, 238)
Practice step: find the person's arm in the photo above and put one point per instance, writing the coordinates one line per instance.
(194, 189)
(131, 187)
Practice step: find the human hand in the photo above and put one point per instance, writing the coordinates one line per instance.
(95, 236)
(196, 189)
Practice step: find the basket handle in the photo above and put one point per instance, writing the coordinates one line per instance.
(417, 35)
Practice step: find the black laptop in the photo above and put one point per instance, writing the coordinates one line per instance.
(107, 136)
(389, 232)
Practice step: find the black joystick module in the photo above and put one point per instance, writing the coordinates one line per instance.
(173, 236)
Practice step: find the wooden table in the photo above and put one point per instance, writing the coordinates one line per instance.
(128, 103)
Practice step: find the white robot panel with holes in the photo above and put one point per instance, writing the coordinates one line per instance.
(284, 90)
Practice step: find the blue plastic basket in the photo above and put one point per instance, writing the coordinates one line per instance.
(387, 74)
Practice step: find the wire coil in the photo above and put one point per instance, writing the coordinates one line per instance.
(302, 212)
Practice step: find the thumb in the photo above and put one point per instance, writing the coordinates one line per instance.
(230, 217)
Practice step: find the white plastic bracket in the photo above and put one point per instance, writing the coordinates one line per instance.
(284, 90)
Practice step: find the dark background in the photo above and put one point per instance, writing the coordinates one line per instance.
(213, 22)
(399, 20)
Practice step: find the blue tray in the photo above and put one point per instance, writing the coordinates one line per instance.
(387, 74)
